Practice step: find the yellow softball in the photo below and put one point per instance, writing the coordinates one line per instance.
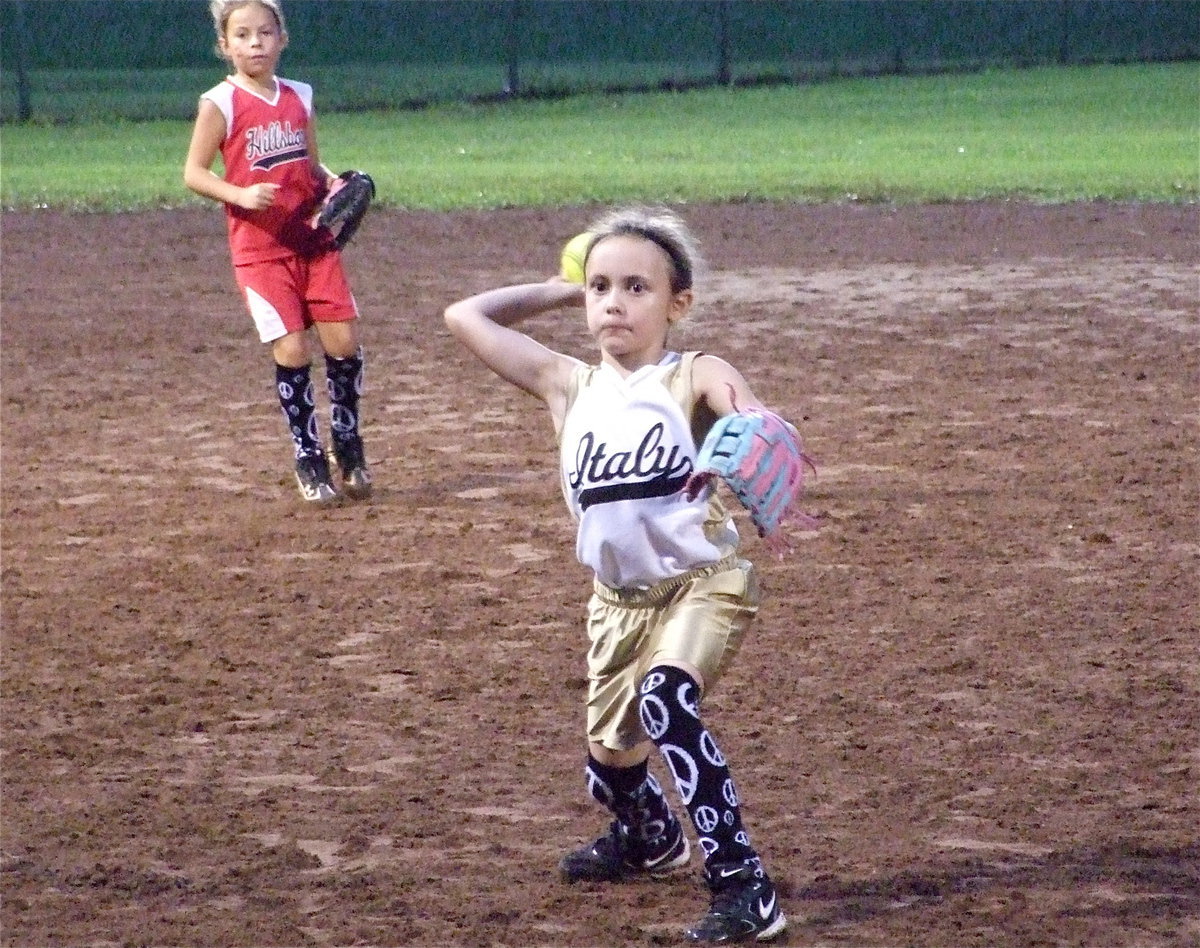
(573, 255)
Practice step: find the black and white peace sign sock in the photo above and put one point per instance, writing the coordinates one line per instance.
(344, 382)
(633, 795)
(298, 401)
(670, 713)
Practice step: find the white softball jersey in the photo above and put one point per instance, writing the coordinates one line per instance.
(626, 451)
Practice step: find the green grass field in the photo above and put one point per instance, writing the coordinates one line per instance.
(1129, 132)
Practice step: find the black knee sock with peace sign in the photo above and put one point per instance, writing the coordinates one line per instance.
(632, 795)
(670, 713)
(295, 390)
(344, 382)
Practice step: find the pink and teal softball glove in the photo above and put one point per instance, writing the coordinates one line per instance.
(760, 457)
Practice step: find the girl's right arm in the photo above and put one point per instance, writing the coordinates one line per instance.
(207, 136)
(482, 323)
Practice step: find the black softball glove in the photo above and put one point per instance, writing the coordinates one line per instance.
(346, 205)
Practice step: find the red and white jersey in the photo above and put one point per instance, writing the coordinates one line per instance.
(266, 140)
(626, 450)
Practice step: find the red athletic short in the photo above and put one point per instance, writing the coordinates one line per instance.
(291, 293)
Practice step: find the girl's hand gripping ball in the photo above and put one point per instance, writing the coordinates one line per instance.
(573, 254)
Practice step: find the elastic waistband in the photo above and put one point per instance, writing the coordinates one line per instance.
(663, 590)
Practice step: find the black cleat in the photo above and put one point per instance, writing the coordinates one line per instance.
(619, 856)
(352, 461)
(745, 907)
(312, 477)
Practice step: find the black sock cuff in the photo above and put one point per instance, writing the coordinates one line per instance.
(354, 359)
(671, 677)
(292, 373)
(620, 779)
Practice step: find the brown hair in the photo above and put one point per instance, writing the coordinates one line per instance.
(222, 10)
(660, 226)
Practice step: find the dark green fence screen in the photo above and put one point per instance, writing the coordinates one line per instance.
(463, 49)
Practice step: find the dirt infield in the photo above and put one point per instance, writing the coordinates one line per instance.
(970, 714)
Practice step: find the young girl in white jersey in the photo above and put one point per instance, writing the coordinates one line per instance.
(671, 599)
(288, 271)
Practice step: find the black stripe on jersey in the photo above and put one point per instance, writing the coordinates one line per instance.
(270, 161)
(655, 487)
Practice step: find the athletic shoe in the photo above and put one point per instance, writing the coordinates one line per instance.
(350, 458)
(312, 477)
(745, 907)
(618, 856)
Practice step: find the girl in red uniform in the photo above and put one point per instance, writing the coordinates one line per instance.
(290, 275)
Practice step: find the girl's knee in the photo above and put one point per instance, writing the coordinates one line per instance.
(291, 350)
(339, 340)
